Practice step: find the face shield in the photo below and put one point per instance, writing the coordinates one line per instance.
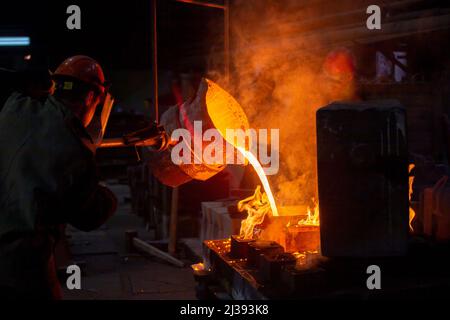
(97, 126)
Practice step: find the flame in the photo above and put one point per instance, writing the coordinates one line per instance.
(312, 218)
(262, 203)
(257, 207)
(198, 266)
(262, 176)
(412, 214)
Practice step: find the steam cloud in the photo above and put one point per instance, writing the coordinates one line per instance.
(278, 80)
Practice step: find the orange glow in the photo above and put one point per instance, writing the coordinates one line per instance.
(412, 214)
(198, 267)
(280, 79)
(286, 230)
(225, 112)
(312, 218)
(257, 207)
(262, 176)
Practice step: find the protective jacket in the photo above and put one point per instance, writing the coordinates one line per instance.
(47, 179)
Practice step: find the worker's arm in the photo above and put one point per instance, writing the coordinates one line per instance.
(33, 81)
(88, 203)
(98, 207)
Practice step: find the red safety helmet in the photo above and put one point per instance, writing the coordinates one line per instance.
(340, 65)
(83, 68)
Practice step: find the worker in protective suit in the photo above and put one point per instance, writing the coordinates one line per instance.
(48, 177)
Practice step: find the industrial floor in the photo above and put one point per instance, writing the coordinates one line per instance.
(109, 272)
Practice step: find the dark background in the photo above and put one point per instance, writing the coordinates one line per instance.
(118, 35)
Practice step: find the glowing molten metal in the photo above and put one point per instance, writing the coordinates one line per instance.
(412, 214)
(262, 176)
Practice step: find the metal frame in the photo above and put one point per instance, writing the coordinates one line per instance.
(155, 61)
(226, 11)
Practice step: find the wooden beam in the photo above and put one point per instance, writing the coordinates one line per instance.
(203, 4)
(173, 222)
(151, 250)
(329, 38)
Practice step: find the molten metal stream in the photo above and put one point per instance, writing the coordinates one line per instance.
(262, 176)
(412, 214)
